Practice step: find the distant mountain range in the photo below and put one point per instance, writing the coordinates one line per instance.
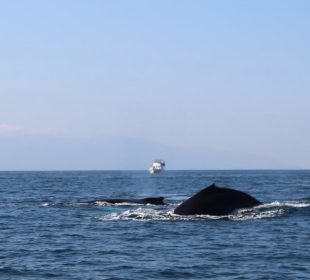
(45, 152)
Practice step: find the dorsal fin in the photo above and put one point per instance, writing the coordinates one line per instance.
(213, 186)
(155, 200)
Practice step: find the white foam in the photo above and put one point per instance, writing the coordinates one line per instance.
(297, 204)
(293, 203)
(271, 210)
(264, 211)
(137, 214)
(102, 203)
(105, 203)
(143, 214)
(45, 204)
(254, 214)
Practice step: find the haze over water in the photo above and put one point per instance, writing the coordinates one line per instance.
(114, 84)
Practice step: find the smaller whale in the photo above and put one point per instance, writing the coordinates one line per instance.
(216, 201)
(147, 200)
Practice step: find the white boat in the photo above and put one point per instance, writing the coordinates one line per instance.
(157, 166)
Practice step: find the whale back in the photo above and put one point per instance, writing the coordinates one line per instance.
(217, 201)
(147, 200)
(154, 200)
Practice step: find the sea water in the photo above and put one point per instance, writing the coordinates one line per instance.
(47, 231)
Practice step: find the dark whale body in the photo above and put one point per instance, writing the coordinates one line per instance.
(216, 201)
(147, 200)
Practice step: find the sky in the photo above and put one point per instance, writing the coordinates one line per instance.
(115, 84)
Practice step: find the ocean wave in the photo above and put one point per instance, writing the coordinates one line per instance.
(264, 211)
(104, 203)
(45, 204)
(255, 214)
(293, 204)
(155, 215)
(144, 214)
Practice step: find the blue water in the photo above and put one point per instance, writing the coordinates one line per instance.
(47, 232)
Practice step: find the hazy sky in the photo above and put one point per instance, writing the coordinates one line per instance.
(115, 84)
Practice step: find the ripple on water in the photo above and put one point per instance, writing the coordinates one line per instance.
(265, 211)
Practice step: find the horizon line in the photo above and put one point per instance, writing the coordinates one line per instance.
(146, 170)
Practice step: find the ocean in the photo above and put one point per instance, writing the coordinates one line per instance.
(48, 232)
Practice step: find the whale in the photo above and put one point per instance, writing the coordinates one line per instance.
(216, 201)
(147, 200)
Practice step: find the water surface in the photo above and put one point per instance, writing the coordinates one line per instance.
(47, 232)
